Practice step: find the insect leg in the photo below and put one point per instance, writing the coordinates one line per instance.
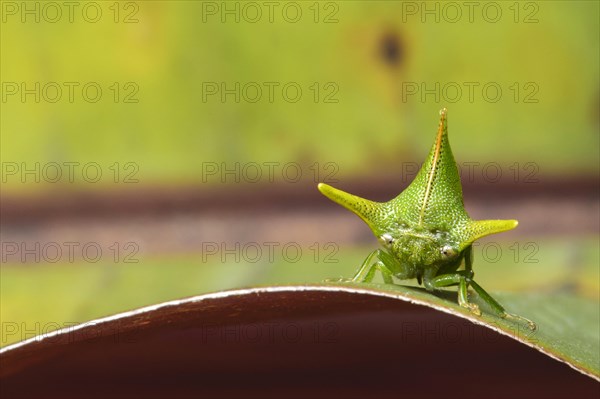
(462, 281)
(468, 255)
(499, 308)
(366, 272)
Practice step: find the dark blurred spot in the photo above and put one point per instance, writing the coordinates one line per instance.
(391, 49)
(596, 111)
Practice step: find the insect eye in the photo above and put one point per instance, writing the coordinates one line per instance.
(386, 239)
(447, 251)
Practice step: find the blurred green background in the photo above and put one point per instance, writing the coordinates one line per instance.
(520, 80)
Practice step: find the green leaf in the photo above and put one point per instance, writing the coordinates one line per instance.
(568, 328)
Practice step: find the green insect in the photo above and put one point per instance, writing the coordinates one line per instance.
(425, 231)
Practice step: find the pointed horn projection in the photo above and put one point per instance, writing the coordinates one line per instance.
(437, 186)
(432, 166)
(477, 229)
(370, 211)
